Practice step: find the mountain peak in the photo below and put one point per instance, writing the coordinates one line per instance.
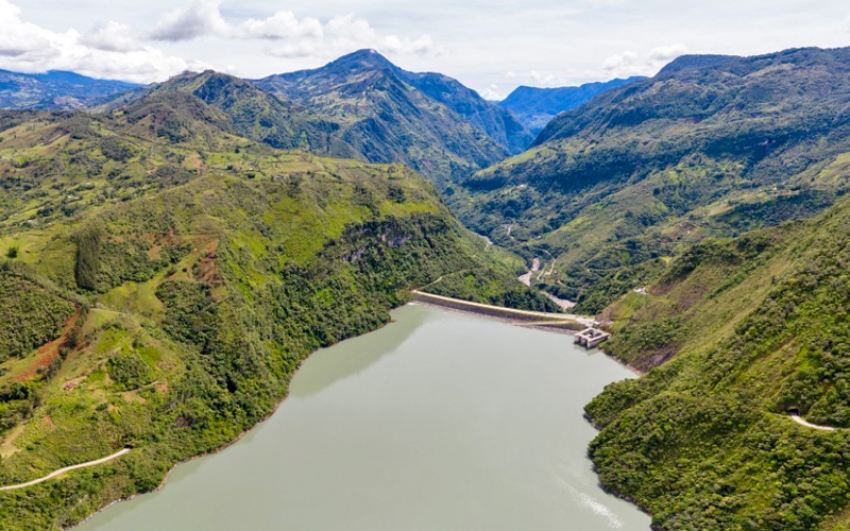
(362, 59)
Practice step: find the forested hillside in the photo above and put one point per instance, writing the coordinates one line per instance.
(711, 146)
(162, 278)
(750, 328)
(428, 121)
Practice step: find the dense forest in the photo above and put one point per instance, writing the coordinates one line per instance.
(736, 332)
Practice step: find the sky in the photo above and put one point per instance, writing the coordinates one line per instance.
(491, 46)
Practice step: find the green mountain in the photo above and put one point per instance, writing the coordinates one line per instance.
(428, 121)
(55, 90)
(535, 107)
(234, 105)
(749, 328)
(163, 277)
(711, 146)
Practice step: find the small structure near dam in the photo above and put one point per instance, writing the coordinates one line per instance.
(591, 337)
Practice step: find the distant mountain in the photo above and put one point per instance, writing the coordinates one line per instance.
(710, 146)
(536, 107)
(55, 90)
(429, 121)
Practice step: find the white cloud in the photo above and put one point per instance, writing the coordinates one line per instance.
(492, 93)
(625, 61)
(546, 79)
(105, 52)
(344, 34)
(666, 54)
(197, 19)
(201, 18)
(631, 63)
(397, 45)
(306, 37)
(281, 25)
(111, 37)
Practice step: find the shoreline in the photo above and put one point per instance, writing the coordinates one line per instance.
(223, 447)
(167, 476)
(466, 307)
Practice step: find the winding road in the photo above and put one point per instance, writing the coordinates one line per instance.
(67, 469)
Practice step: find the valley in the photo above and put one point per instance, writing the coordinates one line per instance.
(172, 254)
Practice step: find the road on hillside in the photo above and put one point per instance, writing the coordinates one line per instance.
(799, 420)
(67, 469)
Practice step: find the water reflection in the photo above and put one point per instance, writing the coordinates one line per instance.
(352, 358)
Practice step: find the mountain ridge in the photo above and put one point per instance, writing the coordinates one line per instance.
(428, 121)
(56, 90)
(536, 106)
(645, 170)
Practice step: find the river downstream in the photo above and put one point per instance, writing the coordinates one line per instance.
(439, 421)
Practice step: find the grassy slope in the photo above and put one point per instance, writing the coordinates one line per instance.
(757, 325)
(180, 275)
(643, 171)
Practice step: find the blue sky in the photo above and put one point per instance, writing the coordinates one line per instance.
(489, 45)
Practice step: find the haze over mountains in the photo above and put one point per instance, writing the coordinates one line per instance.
(536, 107)
(55, 90)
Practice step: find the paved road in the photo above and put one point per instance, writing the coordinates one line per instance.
(67, 469)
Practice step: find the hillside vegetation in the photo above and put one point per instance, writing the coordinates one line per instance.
(749, 328)
(428, 121)
(163, 277)
(234, 105)
(711, 146)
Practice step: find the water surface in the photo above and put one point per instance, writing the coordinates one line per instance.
(440, 421)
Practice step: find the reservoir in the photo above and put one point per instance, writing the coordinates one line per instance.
(440, 421)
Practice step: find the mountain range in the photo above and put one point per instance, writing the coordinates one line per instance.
(55, 90)
(428, 121)
(163, 276)
(360, 105)
(173, 253)
(709, 147)
(535, 107)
